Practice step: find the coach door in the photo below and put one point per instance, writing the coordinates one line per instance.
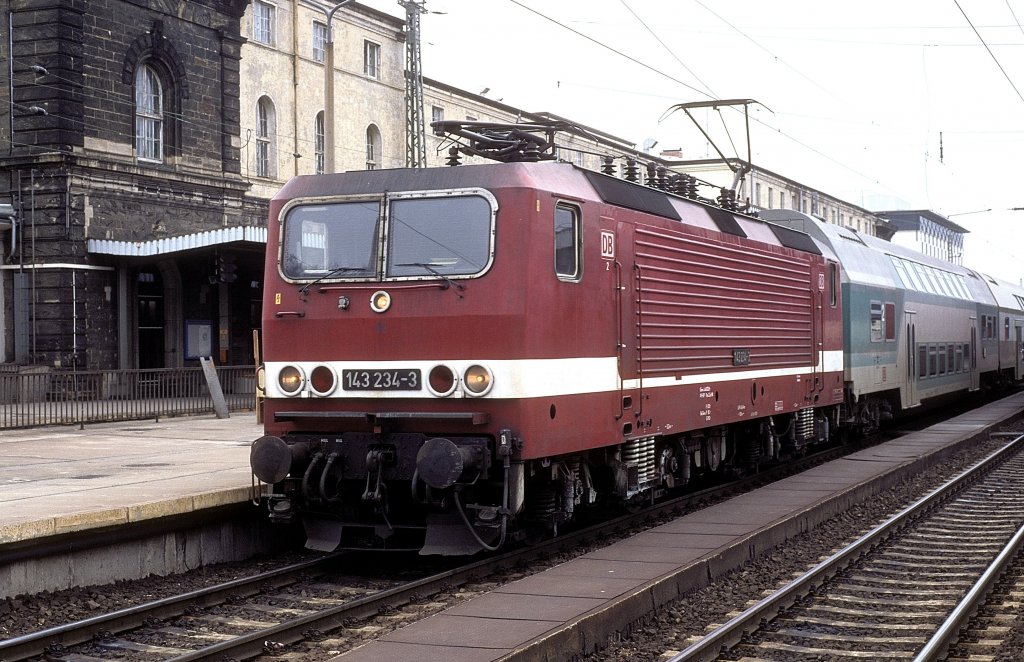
(911, 359)
(1019, 350)
(972, 364)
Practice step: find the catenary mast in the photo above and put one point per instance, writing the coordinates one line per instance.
(415, 143)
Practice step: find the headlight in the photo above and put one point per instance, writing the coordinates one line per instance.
(380, 301)
(290, 379)
(322, 380)
(441, 381)
(478, 380)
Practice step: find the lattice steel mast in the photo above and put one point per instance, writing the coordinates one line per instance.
(415, 140)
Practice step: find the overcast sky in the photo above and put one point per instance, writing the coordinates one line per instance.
(896, 104)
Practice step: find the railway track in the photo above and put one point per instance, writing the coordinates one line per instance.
(904, 590)
(998, 627)
(268, 612)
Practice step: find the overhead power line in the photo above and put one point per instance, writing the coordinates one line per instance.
(666, 47)
(993, 55)
(609, 48)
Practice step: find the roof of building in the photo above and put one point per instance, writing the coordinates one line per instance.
(910, 219)
(524, 114)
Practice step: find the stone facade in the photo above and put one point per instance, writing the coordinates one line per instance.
(287, 75)
(70, 166)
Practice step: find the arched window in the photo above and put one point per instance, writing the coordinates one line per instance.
(265, 134)
(149, 114)
(318, 142)
(373, 147)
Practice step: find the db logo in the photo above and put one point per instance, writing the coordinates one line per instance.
(608, 245)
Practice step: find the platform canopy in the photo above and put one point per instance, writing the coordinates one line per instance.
(179, 243)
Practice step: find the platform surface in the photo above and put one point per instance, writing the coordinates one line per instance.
(56, 480)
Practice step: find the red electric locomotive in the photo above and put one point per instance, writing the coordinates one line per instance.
(454, 356)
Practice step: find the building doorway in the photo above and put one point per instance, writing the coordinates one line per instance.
(151, 319)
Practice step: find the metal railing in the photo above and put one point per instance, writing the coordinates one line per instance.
(39, 396)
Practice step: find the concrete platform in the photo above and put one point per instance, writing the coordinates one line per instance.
(59, 483)
(567, 610)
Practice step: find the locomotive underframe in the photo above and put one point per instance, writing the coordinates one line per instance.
(460, 494)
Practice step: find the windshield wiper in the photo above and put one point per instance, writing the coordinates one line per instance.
(304, 290)
(448, 282)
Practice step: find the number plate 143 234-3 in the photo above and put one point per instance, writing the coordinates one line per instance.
(400, 379)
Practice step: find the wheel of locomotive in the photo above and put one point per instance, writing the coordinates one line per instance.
(718, 452)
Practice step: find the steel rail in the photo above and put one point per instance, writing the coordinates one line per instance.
(948, 632)
(710, 646)
(294, 630)
(36, 643)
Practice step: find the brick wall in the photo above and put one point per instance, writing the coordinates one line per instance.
(72, 170)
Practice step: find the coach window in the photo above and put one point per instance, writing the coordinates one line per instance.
(877, 321)
(901, 271)
(922, 361)
(916, 277)
(889, 320)
(567, 242)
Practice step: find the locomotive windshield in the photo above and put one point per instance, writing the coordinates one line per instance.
(342, 238)
(450, 236)
(423, 237)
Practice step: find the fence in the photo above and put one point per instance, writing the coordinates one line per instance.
(39, 396)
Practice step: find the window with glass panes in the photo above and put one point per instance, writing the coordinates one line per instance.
(149, 124)
(263, 22)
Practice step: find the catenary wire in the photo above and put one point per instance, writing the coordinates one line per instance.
(993, 55)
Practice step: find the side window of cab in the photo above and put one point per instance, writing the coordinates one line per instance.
(568, 242)
(567, 232)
